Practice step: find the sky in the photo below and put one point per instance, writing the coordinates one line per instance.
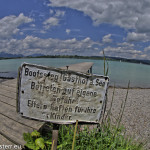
(120, 28)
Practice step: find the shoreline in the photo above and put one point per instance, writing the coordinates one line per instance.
(136, 61)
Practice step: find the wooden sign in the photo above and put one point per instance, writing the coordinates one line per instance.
(60, 96)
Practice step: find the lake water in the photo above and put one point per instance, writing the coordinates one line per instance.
(119, 72)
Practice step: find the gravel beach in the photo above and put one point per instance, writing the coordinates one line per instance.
(136, 117)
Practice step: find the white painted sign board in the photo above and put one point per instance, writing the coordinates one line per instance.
(60, 96)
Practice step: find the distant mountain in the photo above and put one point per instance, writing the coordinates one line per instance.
(147, 62)
(7, 55)
(139, 61)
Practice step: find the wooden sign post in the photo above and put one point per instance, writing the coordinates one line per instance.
(60, 96)
(55, 136)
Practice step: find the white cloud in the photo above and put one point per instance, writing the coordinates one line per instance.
(123, 51)
(143, 23)
(68, 31)
(32, 25)
(128, 14)
(146, 54)
(122, 13)
(126, 44)
(31, 45)
(133, 36)
(86, 40)
(96, 48)
(107, 39)
(9, 25)
(59, 13)
(52, 21)
(147, 49)
(51, 11)
(21, 33)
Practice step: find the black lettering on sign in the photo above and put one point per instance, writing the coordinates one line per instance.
(83, 93)
(68, 91)
(51, 76)
(32, 85)
(26, 71)
(68, 109)
(57, 116)
(78, 80)
(90, 110)
(34, 104)
(100, 82)
(79, 109)
(57, 108)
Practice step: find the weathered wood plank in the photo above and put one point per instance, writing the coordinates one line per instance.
(80, 67)
(8, 100)
(8, 94)
(13, 130)
(8, 88)
(12, 114)
(5, 141)
(6, 144)
(9, 115)
(11, 83)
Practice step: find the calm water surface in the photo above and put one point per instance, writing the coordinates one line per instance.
(119, 72)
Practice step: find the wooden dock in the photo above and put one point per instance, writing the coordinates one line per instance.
(81, 67)
(12, 125)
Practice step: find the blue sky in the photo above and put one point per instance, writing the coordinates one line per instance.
(68, 27)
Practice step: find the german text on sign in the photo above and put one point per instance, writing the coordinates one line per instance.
(60, 96)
